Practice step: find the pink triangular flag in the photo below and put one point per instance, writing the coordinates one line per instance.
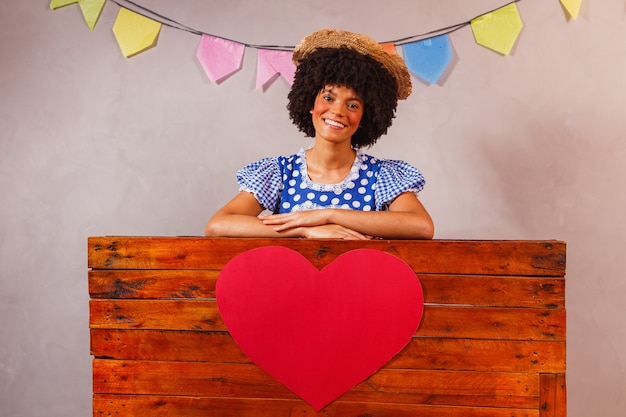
(271, 63)
(219, 57)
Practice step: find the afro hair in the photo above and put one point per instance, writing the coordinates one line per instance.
(348, 68)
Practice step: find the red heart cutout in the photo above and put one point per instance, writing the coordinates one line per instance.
(319, 333)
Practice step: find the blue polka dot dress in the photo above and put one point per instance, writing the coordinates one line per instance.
(282, 185)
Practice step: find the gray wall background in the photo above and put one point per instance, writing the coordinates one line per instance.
(528, 146)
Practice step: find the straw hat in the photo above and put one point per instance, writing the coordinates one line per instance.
(335, 38)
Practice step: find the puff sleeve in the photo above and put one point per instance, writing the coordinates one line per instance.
(262, 178)
(396, 177)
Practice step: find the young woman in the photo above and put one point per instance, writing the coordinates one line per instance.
(344, 94)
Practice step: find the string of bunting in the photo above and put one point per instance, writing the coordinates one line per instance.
(427, 55)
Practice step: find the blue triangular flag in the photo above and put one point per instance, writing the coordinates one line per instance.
(428, 58)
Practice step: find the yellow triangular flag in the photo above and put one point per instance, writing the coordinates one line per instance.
(572, 7)
(499, 29)
(135, 33)
(91, 11)
(55, 4)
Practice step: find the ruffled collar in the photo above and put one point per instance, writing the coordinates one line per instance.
(347, 183)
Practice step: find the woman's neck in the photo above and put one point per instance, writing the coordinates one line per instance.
(329, 165)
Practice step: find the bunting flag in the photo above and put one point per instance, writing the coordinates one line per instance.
(55, 4)
(135, 33)
(91, 11)
(271, 63)
(572, 7)
(390, 47)
(427, 56)
(499, 29)
(428, 59)
(219, 57)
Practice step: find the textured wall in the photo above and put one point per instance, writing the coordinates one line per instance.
(529, 146)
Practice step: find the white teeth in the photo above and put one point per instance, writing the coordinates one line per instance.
(333, 123)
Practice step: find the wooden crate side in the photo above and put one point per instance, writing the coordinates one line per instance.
(458, 388)
(437, 321)
(426, 353)
(477, 290)
(553, 402)
(560, 400)
(181, 406)
(491, 342)
(532, 258)
(547, 407)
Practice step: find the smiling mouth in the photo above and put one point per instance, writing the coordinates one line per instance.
(334, 123)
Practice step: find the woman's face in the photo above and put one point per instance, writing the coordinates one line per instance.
(336, 113)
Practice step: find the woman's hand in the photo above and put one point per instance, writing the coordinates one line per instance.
(312, 224)
(332, 231)
(307, 218)
(405, 219)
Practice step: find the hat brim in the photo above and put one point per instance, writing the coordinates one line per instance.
(336, 38)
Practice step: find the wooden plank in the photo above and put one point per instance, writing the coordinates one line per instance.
(560, 401)
(482, 355)
(494, 291)
(159, 345)
(181, 406)
(155, 314)
(548, 395)
(553, 401)
(152, 283)
(437, 321)
(248, 381)
(484, 389)
(493, 323)
(532, 258)
(421, 353)
(478, 290)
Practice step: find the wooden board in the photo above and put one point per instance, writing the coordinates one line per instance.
(438, 320)
(545, 258)
(483, 290)
(183, 406)
(491, 342)
(428, 353)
